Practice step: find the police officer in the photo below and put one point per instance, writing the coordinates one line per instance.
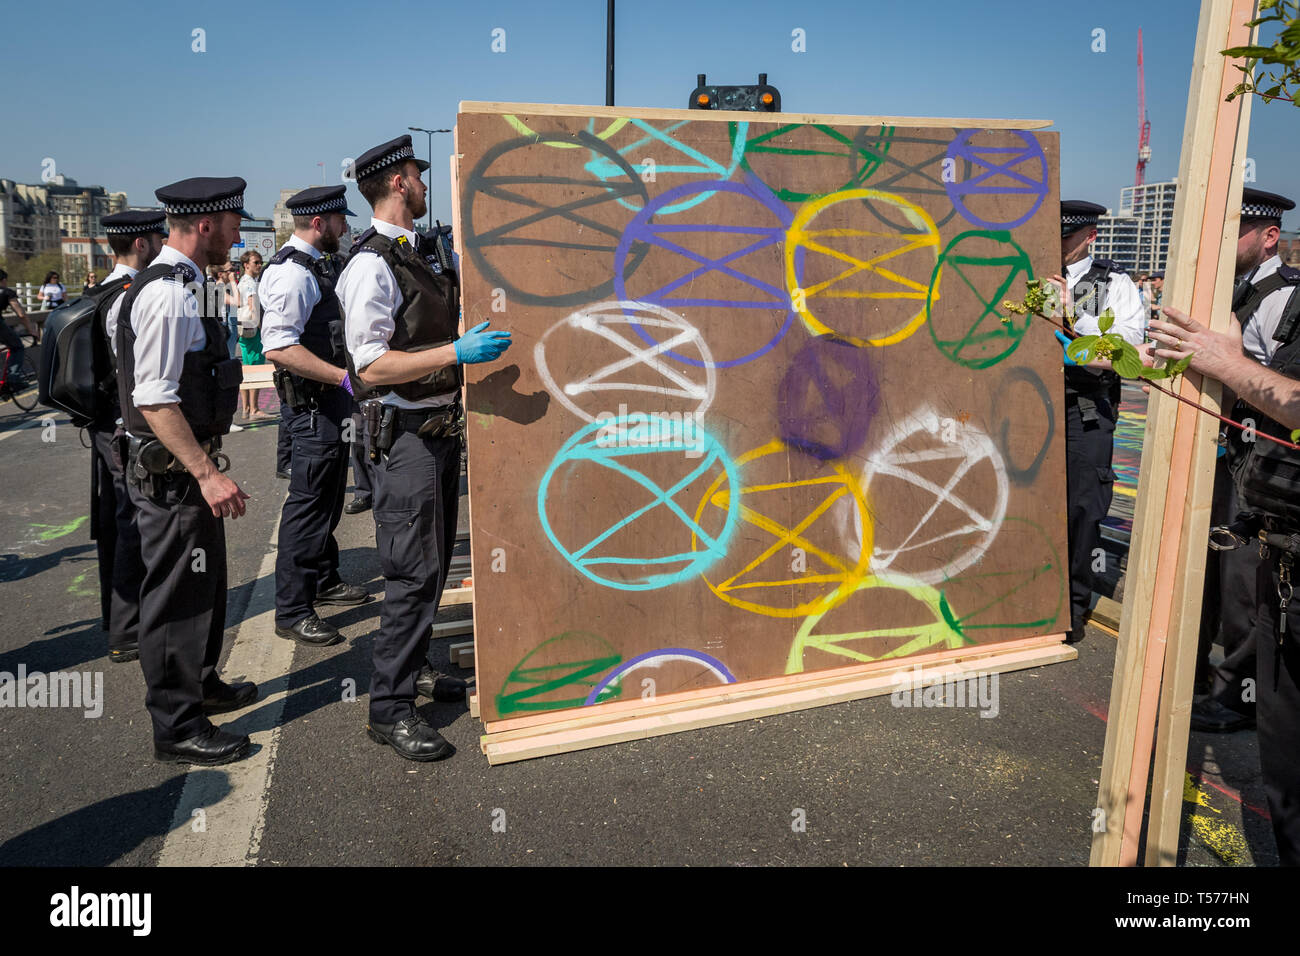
(1088, 287)
(363, 470)
(178, 387)
(1267, 487)
(401, 305)
(1265, 289)
(136, 237)
(302, 333)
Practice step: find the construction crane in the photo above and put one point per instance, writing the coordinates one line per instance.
(1144, 122)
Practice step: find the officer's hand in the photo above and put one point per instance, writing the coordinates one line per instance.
(1065, 341)
(1212, 352)
(1061, 300)
(223, 496)
(478, 345)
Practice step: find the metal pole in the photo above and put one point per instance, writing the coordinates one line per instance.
(429, 208)
(609, 52)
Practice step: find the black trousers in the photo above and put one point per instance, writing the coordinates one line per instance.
(416, 498)
(9, 338)
(117, 538)
(283, 441)
(307, 561)
(1089, 487)
(182, 604)
(363, 470)
(1228, 609)
(1278, 710)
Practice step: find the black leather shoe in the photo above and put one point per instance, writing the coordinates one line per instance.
(438, 686)
(357, 505)
(311, 630)
(282, 474)
(208, 747)
(343, 593)
(230, 697)
(1076, 634)
(1211, 717)
(124, 654)
(412, 738)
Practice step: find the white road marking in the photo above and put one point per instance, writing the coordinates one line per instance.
(38, 423)
(233, 797)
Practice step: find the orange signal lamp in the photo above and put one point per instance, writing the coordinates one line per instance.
(702, 99)
(767, 99)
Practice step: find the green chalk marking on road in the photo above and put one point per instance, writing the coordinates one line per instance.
(58, 531)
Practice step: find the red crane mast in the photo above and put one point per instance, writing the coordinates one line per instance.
(1144, 122)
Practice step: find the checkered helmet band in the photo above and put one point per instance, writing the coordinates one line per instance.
(396, 156)
(230, 203)
(315, 209)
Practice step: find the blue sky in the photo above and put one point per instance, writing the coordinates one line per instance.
(116, 96)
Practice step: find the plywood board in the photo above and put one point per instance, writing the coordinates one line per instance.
(762, 416)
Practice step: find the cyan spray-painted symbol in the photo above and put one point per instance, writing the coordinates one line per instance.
(1024, 165)
(628, 446)
(772, 221)
(697, 163)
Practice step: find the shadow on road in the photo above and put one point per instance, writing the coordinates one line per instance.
(104, 832)
(14, 567)
(62, 649)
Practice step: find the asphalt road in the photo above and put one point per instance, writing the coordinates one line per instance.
(876, 784)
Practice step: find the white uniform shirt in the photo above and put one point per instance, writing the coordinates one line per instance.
(287, 293)
(1257, 334)
(368, 293)
(165, 318)
(110, 320)
(248, 294)
(1121, 297)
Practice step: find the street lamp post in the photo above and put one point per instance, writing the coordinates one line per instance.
(430, 132)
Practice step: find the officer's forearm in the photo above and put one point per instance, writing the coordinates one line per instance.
(167, 422)
(1272, 393)
(395, 366)
(300, 360)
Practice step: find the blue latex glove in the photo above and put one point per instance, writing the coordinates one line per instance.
(1065, 341)
(477, 345)
(346, 385)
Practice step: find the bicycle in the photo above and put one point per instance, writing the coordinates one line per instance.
(20, 387)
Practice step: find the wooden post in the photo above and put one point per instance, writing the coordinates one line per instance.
(1160, 622)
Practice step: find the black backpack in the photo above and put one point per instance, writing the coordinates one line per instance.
(77, 373)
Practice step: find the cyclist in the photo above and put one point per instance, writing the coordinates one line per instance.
(10, 339)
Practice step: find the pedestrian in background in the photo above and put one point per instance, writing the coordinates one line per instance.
(52, 291)
(249, 320)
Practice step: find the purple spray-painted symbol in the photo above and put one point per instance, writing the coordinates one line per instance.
(772, 221)
(827, 398)
(1025, 165)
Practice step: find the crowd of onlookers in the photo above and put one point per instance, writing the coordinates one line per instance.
(1152, 287)
(234, 288)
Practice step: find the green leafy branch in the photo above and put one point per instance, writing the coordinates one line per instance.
(1278, 76)
(1123, 356)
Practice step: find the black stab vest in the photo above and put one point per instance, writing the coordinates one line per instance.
(322, 334)
(1079, 381)
(209, 385)
(429, 313)
(1267, 475)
